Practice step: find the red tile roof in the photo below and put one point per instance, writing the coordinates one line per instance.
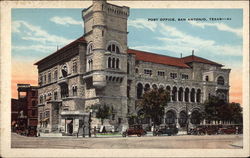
(192, 58)
(80, 39)
(156, 58)
(167, 60)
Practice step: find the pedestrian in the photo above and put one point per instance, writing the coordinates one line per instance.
(95, 131)
(83, 130)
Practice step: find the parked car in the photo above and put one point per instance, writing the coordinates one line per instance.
(134, 130)
(169, 130)
(227, 130)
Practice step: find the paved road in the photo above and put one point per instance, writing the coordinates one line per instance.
(133, 142)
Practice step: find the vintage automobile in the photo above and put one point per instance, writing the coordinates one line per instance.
(227, 130)
(134, 130)
(169, 130)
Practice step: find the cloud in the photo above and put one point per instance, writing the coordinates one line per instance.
(177, 41)
(37, 48)
(142, 23)
(65, 21)
(219, 26)
(45, 42)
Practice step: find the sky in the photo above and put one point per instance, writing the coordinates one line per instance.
(36, 33)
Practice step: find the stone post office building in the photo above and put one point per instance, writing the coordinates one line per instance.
(99, 68)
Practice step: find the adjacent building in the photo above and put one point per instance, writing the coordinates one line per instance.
(99, 68)
(24, 108)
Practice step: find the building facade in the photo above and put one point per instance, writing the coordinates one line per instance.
(24, 109)
(99, 68)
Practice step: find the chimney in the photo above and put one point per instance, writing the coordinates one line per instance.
(181, 55)
(192, 52)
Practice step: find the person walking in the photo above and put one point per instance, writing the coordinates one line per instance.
(95, 131)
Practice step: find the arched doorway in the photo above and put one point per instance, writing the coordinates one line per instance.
(196, 117)
(170, 117)
(182, 119)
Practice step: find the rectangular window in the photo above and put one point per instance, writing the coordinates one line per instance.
(55, 95)
(44, 79)
(40, 80)
(55, 75)
(173, 75)
(161, 73)
(49, 77)
(41, 116)
(47, 114)
(184, 76)
(33, 103)
(148, 72)
(33, 113)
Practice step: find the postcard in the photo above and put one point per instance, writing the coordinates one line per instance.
(124, 78)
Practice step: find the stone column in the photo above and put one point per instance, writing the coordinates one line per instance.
(195, 97)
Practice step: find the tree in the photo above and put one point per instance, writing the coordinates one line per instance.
(217, 109)
(212, 106)
(153, 102)
(102, 111)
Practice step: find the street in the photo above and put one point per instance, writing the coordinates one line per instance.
(132, 142)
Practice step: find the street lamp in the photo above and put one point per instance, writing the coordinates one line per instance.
(188, 114)
(90, 112)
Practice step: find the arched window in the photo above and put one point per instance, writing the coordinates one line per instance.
(109, 62)
(186, 95)
(90, 65)
(180, 94)
(198, 96)
(90, 48)
(154, 86)
(192, 95)
(113, 63)
(113, 47)
(147, 87)
(220, 80)
(74, 89)
(139, 90)
(174, 94)
(117, 63)
(169, 92)
(206, 78)
(64, 71)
